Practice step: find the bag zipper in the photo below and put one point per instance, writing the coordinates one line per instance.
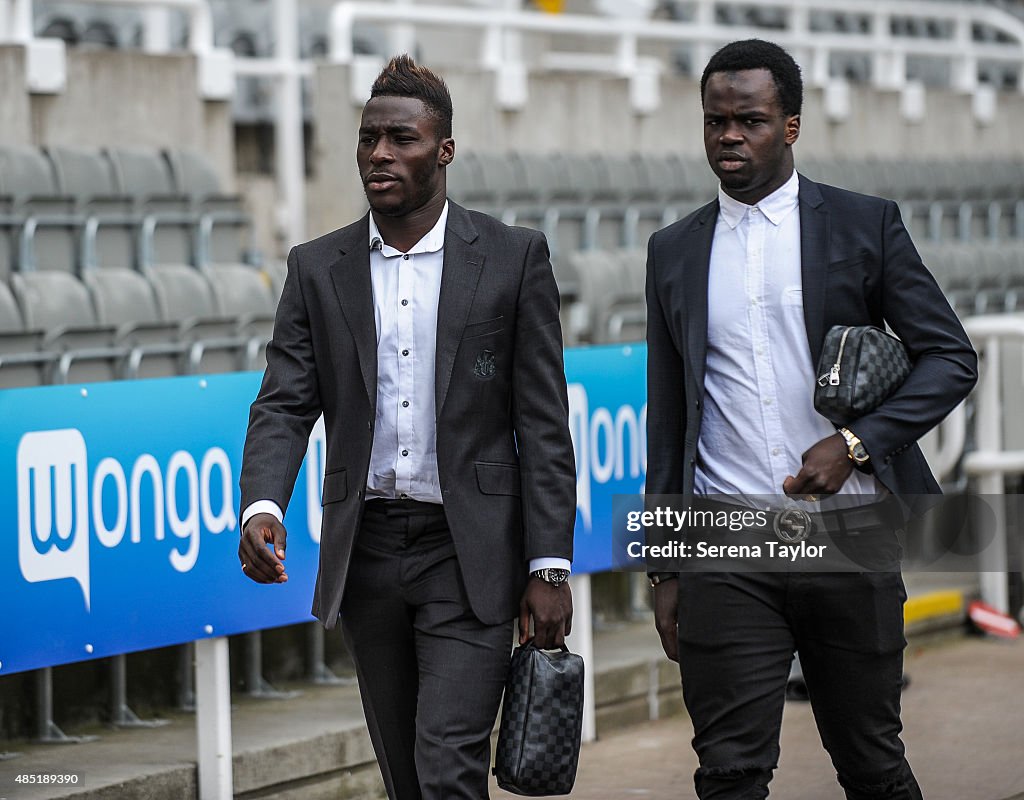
(832, 376)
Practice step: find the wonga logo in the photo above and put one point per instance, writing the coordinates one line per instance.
(59, 504)
(53, 507)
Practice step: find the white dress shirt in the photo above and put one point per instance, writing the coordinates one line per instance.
(759, 412)
(406, 288)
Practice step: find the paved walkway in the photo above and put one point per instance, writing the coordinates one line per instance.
(964, 729)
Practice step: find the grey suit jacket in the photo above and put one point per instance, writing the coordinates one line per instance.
(504, 452)
(859, 267)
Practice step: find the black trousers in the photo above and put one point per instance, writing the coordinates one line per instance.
(737, 635)
(430, 673)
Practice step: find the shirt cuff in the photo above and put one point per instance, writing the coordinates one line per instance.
(262, 507)
(549, 563)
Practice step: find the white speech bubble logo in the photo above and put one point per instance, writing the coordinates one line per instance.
(53, 507)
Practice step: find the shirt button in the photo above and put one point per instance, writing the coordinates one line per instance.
(405, 302)
(405, 452)
(405, 352)
(406, 257)
(767, 401)
(775, 451)
(404, 496)
(405, 404)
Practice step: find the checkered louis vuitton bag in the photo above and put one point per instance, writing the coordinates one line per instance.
(541, 722)
(859, 368)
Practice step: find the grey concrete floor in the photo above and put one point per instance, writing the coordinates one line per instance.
(963, 719)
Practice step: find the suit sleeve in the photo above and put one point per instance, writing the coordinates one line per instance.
(666, 395)
(288, 403)
(945, 366)
(540, 412)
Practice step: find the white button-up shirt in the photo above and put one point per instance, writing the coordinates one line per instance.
(406, 288)
(759, 414)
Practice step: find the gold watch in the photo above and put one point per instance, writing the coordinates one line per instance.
(855, 448)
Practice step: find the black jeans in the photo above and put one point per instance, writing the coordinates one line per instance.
(737, 635)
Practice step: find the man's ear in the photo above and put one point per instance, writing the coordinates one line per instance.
(792, 128)
(446, 152)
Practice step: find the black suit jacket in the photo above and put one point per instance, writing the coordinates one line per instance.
(504, 453)
(859, 267)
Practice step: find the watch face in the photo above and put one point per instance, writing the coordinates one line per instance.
(553, 575)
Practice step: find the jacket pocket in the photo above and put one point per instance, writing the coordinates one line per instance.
(497, 478)
(484, 328)
(335, 486)
(846, 263)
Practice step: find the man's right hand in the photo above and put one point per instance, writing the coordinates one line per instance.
(259, 562)
(666, 616)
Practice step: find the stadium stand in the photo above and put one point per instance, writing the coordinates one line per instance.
(138, 272)
(176, 245)
(128, 261)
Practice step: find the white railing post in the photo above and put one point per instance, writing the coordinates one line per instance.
(213, 719)
(402, 37)
(965, 63)
(581, 641)
(156, 29)
(289, 170)
(21, 21)
(990, 462)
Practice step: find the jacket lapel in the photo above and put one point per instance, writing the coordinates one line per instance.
(351, 276)
(814, 259)
(701, 235)
(463, 262)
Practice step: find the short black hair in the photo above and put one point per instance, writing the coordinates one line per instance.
(759, 54)
(403, 77)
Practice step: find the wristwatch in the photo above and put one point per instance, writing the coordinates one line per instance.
(855, 448)
(660, 577)
(552, 575)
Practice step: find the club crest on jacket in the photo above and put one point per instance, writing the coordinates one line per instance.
(485, 366)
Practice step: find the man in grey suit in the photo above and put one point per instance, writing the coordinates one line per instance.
(429, 338)
(740, 296)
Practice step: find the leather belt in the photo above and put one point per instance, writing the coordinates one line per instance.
(794, 524)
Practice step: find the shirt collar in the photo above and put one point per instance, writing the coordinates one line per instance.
(776, 206)
(432, 241)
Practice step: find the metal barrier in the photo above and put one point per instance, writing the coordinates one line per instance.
(501, 43)
(45, 58)
(989, 462)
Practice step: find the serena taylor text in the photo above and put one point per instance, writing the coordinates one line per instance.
(699, 549)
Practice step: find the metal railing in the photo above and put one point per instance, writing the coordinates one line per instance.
(959, 45)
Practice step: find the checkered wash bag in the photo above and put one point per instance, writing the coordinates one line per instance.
(541, 722)
(859, 368)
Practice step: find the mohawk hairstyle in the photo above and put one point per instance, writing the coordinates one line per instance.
(759, 54)
(403, 77)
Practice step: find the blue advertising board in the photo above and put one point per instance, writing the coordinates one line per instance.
(120, 501)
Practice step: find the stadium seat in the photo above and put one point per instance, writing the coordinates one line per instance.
(59, 304)
(42, 229)
(244, 294)
(224, 227)
(185, 297)
(23, 360)
(124, 299)
(109, 234)
(168, 225)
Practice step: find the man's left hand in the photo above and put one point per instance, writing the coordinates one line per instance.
(550, 607)
(826, 466)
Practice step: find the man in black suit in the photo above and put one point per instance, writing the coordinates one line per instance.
(740, 296)
(429, 338)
